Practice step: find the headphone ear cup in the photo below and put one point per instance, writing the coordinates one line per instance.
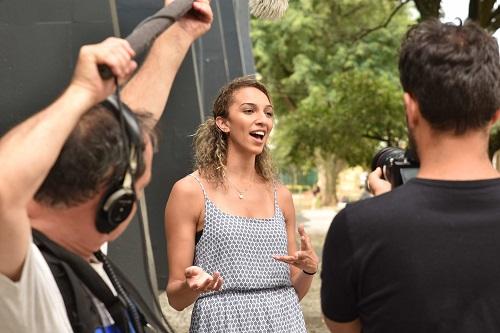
(115, 208)
(117, 204)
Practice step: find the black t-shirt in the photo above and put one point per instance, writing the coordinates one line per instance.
(424, 257)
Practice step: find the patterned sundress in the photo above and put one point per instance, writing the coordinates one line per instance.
(257, 295)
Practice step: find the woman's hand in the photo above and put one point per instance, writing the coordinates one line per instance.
(305, 259)
(199, 280)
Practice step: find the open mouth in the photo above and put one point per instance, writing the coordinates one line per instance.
(259, 135)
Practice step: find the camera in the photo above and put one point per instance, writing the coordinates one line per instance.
(400, 165)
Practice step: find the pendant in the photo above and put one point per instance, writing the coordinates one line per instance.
(241, 195)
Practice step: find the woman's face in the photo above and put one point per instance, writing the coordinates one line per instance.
(250, 120)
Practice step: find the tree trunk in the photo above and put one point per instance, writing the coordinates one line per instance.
(329, 168)
(482, 11)
(428, 8)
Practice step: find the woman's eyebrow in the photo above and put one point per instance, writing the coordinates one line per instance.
(250, 104)
(254, 105)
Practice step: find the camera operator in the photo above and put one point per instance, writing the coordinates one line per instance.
(66, 166)
(424, 256)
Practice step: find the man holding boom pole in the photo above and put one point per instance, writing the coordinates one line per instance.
(69, 180)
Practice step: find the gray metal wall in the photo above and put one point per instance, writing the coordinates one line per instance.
(219, 56)
(39, 42)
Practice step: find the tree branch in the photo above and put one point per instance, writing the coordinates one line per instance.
(353, 10)
(495, 13)
(428, 8)
(383, 25)
(376, 137)
(494, 21)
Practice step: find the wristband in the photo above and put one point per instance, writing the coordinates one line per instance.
(308, 272)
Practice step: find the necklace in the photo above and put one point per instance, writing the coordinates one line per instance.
(241, 194)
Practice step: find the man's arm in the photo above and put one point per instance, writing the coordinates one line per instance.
(338, 289)
(29, 150)
(150, 87)
(350, 327)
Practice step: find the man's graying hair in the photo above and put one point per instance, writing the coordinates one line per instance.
(92, 159)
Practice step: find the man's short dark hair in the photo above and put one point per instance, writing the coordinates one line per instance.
(453, 72)
(92, 158)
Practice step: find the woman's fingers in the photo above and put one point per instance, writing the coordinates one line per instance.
(220, 281)
(305, 240)
(287, 259)
(305, 260)
(198, 280)
(212, 281)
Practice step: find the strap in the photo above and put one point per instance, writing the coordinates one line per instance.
(77, 301)
(86, 275)
(201, 185)
(275, 198)
(149, 315)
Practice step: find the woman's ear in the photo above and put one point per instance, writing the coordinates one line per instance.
(221, 123)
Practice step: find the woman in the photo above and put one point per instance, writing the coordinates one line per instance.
(230, 226)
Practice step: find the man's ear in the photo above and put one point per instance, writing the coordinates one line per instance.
(496, 117)
(412, 110)
(222, 124)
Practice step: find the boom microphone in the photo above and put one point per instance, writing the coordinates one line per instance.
(150, 28)
(268, 9)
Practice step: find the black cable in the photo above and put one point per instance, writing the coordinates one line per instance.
(134, 314)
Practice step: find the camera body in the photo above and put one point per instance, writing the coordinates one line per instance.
(398, 165)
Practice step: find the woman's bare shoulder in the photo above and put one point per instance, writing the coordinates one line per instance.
(187, 187)
(284, 194)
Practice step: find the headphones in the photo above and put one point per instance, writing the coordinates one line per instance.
(118, 201)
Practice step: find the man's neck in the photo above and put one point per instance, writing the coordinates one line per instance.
(451, 157)
(72, 228)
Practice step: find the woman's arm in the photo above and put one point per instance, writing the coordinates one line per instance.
(304, 260)
(185, 207)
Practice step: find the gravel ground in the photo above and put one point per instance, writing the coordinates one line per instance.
(316, 223)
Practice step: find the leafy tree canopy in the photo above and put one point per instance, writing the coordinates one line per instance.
(331, 67)
(335, 88)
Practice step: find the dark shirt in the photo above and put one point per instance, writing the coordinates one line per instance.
(424, 257)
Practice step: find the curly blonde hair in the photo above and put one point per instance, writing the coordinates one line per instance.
(210, 143)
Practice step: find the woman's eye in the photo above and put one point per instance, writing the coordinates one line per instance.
(248, 111)
(269, 114)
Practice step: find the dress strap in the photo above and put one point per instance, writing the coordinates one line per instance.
(201, 185)
(275, 197)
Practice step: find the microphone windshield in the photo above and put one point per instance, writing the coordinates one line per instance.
(268, 9)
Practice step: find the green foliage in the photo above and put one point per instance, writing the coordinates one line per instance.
(333, 91)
